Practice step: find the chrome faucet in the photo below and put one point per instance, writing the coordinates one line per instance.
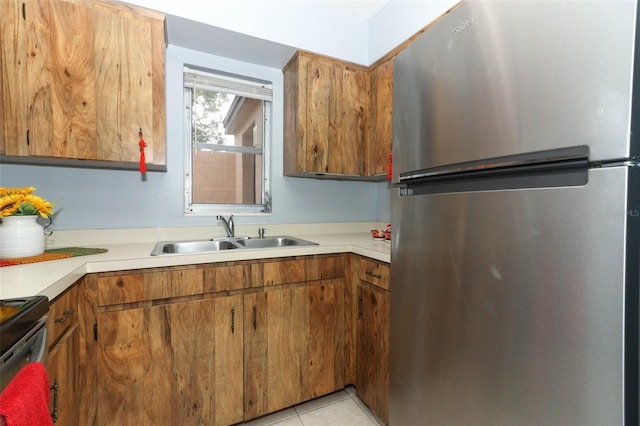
(228, 224)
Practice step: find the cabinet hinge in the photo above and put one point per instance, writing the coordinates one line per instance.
(95, 331)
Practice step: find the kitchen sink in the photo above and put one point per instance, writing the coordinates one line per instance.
(192, 247)
(271, 242)
(220, 244)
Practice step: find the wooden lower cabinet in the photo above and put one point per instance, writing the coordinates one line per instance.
(62, 370)
(372, 335)
(62, 358)
(372, 353)
(294, 345)
(176, 363)
(211, 344)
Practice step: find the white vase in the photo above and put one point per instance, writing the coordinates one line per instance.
(21, 236)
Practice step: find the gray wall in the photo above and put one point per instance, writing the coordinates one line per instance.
(95, 199)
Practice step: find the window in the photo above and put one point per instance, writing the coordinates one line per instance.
(227, 134)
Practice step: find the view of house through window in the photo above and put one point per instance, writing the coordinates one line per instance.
(228, 127)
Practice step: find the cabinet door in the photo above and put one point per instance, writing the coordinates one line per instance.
(326, 116)
(372, 349)
(276, 325)
(228, 361)
(337, 117)
(48, 79)
(320, 112)
(255, 355)
(293, 346)
(162, 364)
(381, 117)
(62, 362)
(326, 359)
(351, 122)
(127, 83)
(62, 314)
(13, 74)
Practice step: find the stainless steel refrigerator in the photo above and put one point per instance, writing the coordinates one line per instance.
(516, 217)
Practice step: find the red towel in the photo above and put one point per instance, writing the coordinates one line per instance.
(25, 400)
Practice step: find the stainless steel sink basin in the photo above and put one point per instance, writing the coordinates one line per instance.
(192, 247)
(219, 244)
(271, 242)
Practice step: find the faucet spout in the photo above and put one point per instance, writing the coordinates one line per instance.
(228, 224)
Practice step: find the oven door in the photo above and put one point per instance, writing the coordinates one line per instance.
(31, 347)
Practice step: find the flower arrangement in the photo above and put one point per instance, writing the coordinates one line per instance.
(22, 202)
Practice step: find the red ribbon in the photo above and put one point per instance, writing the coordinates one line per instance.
(143, 161)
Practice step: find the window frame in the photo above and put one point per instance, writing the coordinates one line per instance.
(213, 209)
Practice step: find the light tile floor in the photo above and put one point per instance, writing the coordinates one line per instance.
(342, 408)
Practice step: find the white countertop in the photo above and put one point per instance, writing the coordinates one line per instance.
(51, 278)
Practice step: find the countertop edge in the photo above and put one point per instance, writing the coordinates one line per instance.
(52, 278)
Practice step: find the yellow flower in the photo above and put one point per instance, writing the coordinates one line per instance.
(42, 206)
(22, 202)
(17, 191)
(9, 204)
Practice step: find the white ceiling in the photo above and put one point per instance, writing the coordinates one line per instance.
(361, 9)
(198, 36)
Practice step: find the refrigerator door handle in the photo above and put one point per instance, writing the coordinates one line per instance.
(535, 161)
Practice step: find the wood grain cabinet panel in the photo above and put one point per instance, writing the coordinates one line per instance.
(326, 116)
(372, 373)
(62, 368)
(62, 358)
(374, 272)
(62, 314)
(48, 78)
(129, 59)
(177, 363)
(372, 335)
(294, 345)
(283, 271)
(211, 344)
(303, 269)
(120, 288)
(286, 327)
(13, 77)
(228, 361)
(80, 78)
(381, 117)
(337, 118)
(326, 361)
(226, 277)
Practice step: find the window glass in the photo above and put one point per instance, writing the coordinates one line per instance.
(227, 143)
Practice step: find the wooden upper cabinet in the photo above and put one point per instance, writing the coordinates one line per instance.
(80, 78)
(326, 116)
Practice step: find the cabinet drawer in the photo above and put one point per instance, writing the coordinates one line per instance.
(129, 288)
(309, 268)
(232, 277)
(374, 272)
(63, 313)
